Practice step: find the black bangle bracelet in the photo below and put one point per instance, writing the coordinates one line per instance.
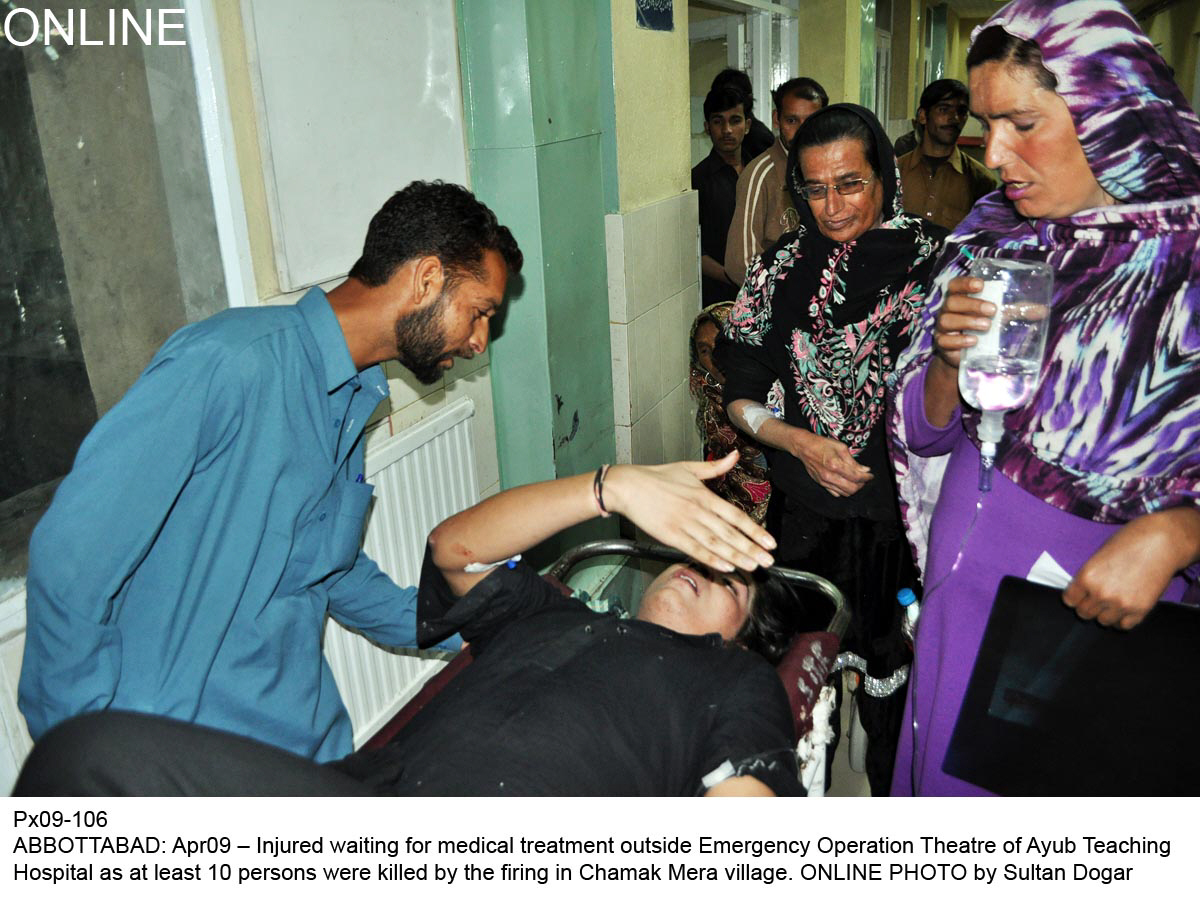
(598, 490)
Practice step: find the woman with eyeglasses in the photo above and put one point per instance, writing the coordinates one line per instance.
(826, 311)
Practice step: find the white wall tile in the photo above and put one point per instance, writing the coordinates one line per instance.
(624, 435)
(677, 425)
(666, 213)
(614, 245)
(380, 413)
(647, 438)
(676, 324)
(464, 367)
(685, 230)
(691, 202)
(647, 355)
(478, 386)
(633, 288)
(641, 269)
(689, 243)
(376, 434)
(622, 373)
(695, 443)
(404, 388)
(691, 302)
(417, 410)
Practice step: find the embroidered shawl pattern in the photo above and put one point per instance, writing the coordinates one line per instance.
(837, 371)
(746, 485)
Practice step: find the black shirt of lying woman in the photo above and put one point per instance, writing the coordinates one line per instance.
(564, 701)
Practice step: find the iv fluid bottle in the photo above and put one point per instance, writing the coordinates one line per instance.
(1001, 370)
(994, 383)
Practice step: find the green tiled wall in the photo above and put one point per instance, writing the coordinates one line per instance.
(536, 130)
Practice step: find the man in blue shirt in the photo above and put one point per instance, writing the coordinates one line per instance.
(214, 515)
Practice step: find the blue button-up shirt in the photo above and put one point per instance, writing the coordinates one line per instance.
(212, 518)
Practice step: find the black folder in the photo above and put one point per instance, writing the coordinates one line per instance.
(1057, 706)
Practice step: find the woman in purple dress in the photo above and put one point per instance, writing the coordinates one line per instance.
(1099, 155)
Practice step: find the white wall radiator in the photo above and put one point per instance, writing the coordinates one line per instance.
(421, 476)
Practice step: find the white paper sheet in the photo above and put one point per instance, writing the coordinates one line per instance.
(1047, 571)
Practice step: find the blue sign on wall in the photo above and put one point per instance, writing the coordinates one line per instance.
(657, 15)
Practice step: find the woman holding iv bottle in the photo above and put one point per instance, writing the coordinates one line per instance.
(1099, 471)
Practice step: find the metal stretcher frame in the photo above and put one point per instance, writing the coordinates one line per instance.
(622, 547)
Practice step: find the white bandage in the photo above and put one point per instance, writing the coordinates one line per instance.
(476, 568)
(754, 415)
(723, 772)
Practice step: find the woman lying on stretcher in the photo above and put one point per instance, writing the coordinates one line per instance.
(559, 700)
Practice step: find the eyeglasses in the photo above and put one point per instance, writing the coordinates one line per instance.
(845, 188)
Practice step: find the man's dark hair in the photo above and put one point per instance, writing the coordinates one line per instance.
(778, 613)
(994, 44)
(434, 219)
(736, 78)
(804, 88)
(832, 126)
(943, 89)
(720, 99)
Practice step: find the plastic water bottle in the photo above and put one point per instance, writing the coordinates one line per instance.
(912, 609)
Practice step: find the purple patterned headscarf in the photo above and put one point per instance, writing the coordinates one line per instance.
(1113, 430)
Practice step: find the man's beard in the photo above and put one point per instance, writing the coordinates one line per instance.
(421, 341)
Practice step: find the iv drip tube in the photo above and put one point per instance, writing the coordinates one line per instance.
(991, 430)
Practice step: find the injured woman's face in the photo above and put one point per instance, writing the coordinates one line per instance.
(692, 599)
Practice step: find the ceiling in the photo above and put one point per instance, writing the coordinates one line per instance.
(966, 9)
(974, 9)
(982, 9)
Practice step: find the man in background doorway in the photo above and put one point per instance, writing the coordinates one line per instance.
(909, 140)
(758, 136)
(941, 183)
(764, 210)
(715, 178)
